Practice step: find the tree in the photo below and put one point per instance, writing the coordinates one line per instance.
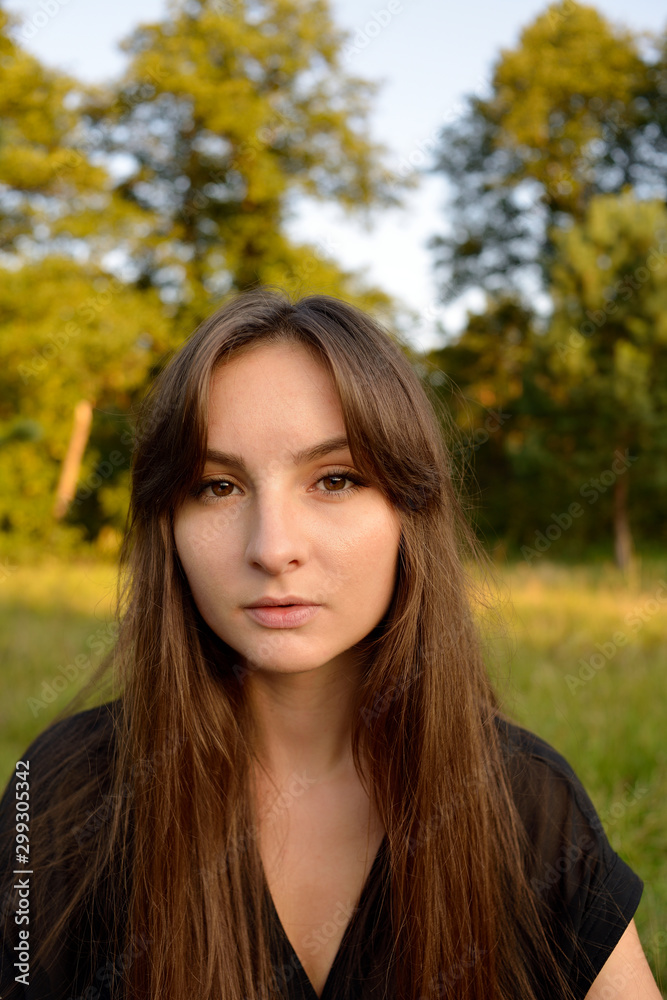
(225, 115)
(128, 212)
(70, 334)
(53, 198)
(488, 380)
(69, 329)
(574, 125)
(608, 344)
(576, 109)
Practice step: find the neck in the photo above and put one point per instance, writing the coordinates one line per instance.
(302, 721)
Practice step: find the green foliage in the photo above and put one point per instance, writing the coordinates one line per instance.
(576, 109)
(228, 113)
(486, 390)
(553, 174)
(128, 212)
(68, 333)
(609, 331)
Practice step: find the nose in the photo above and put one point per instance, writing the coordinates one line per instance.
(276, 531)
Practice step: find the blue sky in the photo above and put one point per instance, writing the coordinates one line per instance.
(429, 53)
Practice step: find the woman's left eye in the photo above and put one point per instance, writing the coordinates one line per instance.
(343, 476)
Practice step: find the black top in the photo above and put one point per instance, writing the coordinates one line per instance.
(591, 891)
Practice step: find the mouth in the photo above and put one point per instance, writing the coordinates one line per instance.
(282, 615)
(290, 601)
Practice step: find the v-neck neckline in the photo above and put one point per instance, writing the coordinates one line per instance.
(296, 961)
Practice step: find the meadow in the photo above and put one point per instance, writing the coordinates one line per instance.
(578, 655)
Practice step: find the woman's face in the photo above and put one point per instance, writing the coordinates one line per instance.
(266, 526)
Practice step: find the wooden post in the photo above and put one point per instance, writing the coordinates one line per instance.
(623, 547)
(83, 417)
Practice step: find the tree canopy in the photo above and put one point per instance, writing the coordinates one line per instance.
(576, 109)
(128, 211)
(558, 182)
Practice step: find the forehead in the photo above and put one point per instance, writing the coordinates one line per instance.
(278, 387)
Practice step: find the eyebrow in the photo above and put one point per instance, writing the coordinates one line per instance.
(298, 457)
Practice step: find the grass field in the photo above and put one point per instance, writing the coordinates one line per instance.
(578, 654)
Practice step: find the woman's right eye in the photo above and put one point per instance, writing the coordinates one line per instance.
(217, 487)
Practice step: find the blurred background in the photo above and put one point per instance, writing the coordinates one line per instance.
(491, 183)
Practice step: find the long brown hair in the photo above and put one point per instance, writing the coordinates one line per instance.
(172, 868)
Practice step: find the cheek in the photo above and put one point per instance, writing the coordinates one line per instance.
(383, 541)
(375, 553)
(203, 566)
(200, 541)
(198, 551)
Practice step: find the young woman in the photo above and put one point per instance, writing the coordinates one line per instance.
(301, 784)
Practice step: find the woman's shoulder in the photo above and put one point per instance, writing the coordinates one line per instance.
(589, 890)
(99, 720)
(539, 772)
(94, 725)
(86, 738)
(555, 808)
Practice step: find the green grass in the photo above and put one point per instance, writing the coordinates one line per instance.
(607, 718)
(603, 710)
(55, 625)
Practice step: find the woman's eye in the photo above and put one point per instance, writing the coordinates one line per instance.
(220, 486)
(212, 490)
(339, 479)
(219, 489)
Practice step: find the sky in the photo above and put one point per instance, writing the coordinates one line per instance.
(428, 55)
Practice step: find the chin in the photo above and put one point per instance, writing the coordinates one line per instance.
(287, 662)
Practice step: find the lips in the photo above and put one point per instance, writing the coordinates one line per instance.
(279, 602)
(276, 616)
